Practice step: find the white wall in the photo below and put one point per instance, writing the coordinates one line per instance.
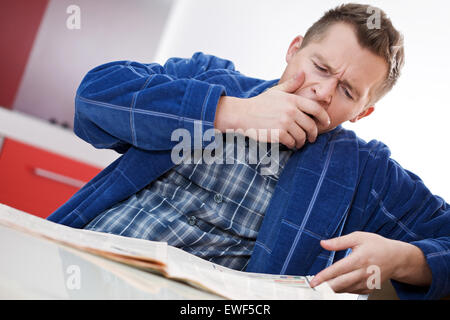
(109, 30)
(255, 34)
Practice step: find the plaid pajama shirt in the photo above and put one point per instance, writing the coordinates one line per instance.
(213, 211)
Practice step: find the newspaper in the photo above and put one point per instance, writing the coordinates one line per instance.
(171, 262)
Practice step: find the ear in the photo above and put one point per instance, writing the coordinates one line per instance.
(363, 114)
(294, 47)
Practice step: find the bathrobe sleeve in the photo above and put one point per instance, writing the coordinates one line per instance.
(124, 103)
(399, 206)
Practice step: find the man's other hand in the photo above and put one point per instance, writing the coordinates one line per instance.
(393, 259)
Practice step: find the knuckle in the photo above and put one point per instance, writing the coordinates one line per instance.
(285, 138)
(290, 111)
(311, 127)
(359, 260)
(301, 143)
(309, 106)
(285, 121)
(357, 233)
(316, 109)
(370, 261)
(302, 135)
(364, 261)
(290, 144)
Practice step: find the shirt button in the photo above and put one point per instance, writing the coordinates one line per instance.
(218, 198)
(192, 220)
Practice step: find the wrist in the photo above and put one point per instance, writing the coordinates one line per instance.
(227, 113)
(412, 267)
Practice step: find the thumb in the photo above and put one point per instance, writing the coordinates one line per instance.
(341, 243)
(291, 85)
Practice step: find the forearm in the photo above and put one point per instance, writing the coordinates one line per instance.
(121, 108)
(412, 268)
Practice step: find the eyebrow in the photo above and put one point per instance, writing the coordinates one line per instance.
(333, 71)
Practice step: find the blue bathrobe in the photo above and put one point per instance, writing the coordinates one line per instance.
(335, 186)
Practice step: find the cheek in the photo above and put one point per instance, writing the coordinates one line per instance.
(311, 78)
(310, 73)
(339, 113)
(301, 65)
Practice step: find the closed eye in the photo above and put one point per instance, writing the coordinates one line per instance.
(319, 67)
(347, 93)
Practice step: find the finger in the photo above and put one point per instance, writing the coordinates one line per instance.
(348, 282)
(359, 288)
(286, 139)
(291, 85)
(308, 125)
(343, 266)
(298, 134)
(341, 243)
(313, 109)
(361, 291)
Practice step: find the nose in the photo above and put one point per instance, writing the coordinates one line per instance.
(324, 90)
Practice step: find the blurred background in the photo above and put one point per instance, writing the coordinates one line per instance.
(49, 45)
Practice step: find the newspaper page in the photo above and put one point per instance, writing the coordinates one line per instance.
(138, 252)
(172, 262)
(234, 284)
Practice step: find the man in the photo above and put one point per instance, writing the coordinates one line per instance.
(332, 185)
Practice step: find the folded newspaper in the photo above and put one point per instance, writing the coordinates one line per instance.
(171, 262)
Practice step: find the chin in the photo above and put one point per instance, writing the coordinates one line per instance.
(325, 130)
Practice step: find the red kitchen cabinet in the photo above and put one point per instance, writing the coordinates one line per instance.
(38, 181)
(19, 19)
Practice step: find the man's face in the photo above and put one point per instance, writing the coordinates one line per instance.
(339, 74)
